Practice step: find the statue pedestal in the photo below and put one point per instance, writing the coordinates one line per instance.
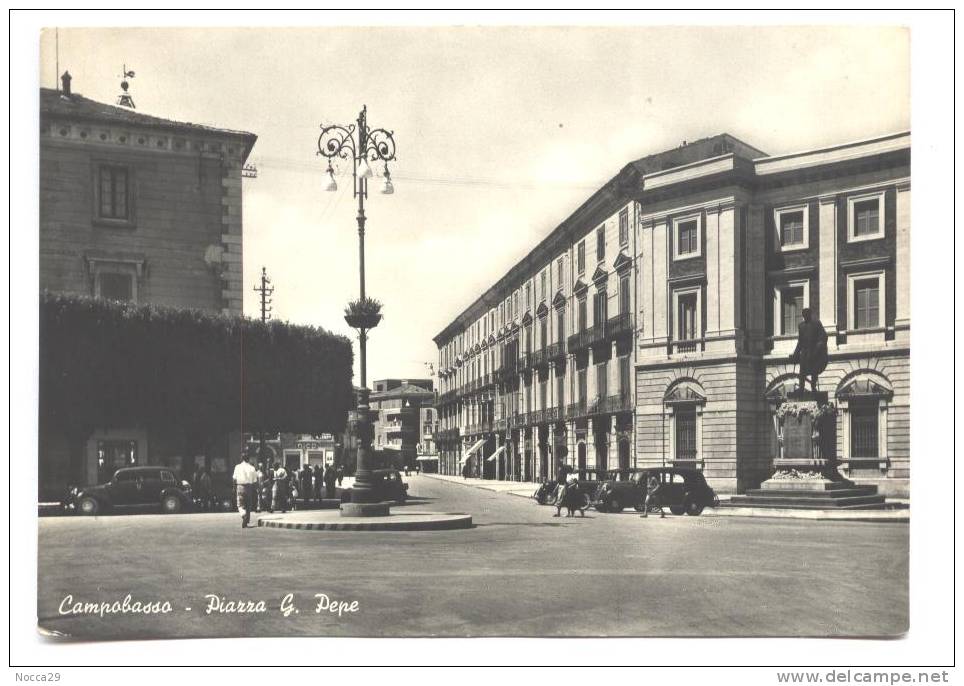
(805, 472)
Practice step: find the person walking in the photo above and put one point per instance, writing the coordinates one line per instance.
(245, 482)
(330, 478)
(341, 474)
(652, 496)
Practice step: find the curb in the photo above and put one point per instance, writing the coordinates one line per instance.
(480, 487)
(451, 522)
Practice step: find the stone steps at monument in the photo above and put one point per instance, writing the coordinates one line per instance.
(816, 501)
(841, 492)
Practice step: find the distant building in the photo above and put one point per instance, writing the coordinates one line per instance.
(142, 209)
(399, 410)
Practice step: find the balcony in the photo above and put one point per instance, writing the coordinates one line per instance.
(556, 351)
(597, 332)
(525, 362)
(540, 358)
(620, 325)
(577, 409)
(501, 424)
(622, 402)
(582, 340)
(537, 417)
(687, 346)
(555, 414)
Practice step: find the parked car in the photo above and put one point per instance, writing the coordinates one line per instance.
(683, 491)
(619, 490)
(588, 479)
(133, 487)
(390, 483)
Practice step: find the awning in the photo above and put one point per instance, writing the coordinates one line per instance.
(468, 453)
(426, 458)
(499, 451)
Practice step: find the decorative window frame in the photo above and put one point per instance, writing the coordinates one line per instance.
(677, 292)
(698, 216)
(881, 277)
(883, 459)
(881, 212)
(778, 236)
(669, 414)
(133, 267)
(778, 303)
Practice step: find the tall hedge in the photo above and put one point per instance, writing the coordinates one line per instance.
(106, 364)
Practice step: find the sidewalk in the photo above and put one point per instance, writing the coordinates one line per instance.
(523, 489)
(898, 512)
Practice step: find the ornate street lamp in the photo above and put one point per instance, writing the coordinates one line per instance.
(362, 145)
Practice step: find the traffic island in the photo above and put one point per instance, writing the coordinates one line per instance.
(330, 520)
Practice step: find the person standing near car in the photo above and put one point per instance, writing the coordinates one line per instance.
(652, 496)
(203, 489)
(245, 482)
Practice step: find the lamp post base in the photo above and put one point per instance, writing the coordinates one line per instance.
(364, 509)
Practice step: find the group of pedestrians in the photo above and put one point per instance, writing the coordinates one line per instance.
(571, 496)
(270, 487)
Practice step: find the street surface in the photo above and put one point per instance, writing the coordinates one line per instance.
(519, 572)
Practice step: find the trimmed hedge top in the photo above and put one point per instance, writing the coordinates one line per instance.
(105, 363)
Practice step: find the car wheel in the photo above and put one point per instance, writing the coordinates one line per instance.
(171, 504)
(694, 508)
(677, 509)
(88, 506)
(615, 505)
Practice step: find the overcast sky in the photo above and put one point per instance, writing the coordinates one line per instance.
(501, 133)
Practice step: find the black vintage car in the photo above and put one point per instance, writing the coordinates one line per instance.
(589, 481)
(144, 488)
(618, 490)
(681, 490)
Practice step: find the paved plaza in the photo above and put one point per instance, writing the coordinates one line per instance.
(518, 572)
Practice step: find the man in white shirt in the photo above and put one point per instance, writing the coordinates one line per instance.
(245, 480)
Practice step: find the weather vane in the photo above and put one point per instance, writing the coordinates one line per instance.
(125, 99)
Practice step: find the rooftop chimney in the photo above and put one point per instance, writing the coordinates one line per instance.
(65, 84)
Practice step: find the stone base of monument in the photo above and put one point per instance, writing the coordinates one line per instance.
(805, 474)
(329, 520)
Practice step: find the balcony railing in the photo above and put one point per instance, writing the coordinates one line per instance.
(617, 403)
(583, 339)
(540, 358)
(525, 361)
(554, 414)
(597, 332)
(686, 346)
(576, 409)
(556, 350)
(537, 417)
(620, 325)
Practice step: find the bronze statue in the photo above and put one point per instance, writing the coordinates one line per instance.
(811, 350)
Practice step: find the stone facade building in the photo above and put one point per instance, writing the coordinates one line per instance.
(671, 347)
(142, 209)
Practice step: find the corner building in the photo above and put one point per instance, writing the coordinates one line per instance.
(653, 326)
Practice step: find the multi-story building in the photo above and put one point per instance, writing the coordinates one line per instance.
(142, 209)
(672, 346)
(398, 408)
(294, 450)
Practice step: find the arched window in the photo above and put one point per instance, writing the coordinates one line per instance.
(863, 399)
(683, 412)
